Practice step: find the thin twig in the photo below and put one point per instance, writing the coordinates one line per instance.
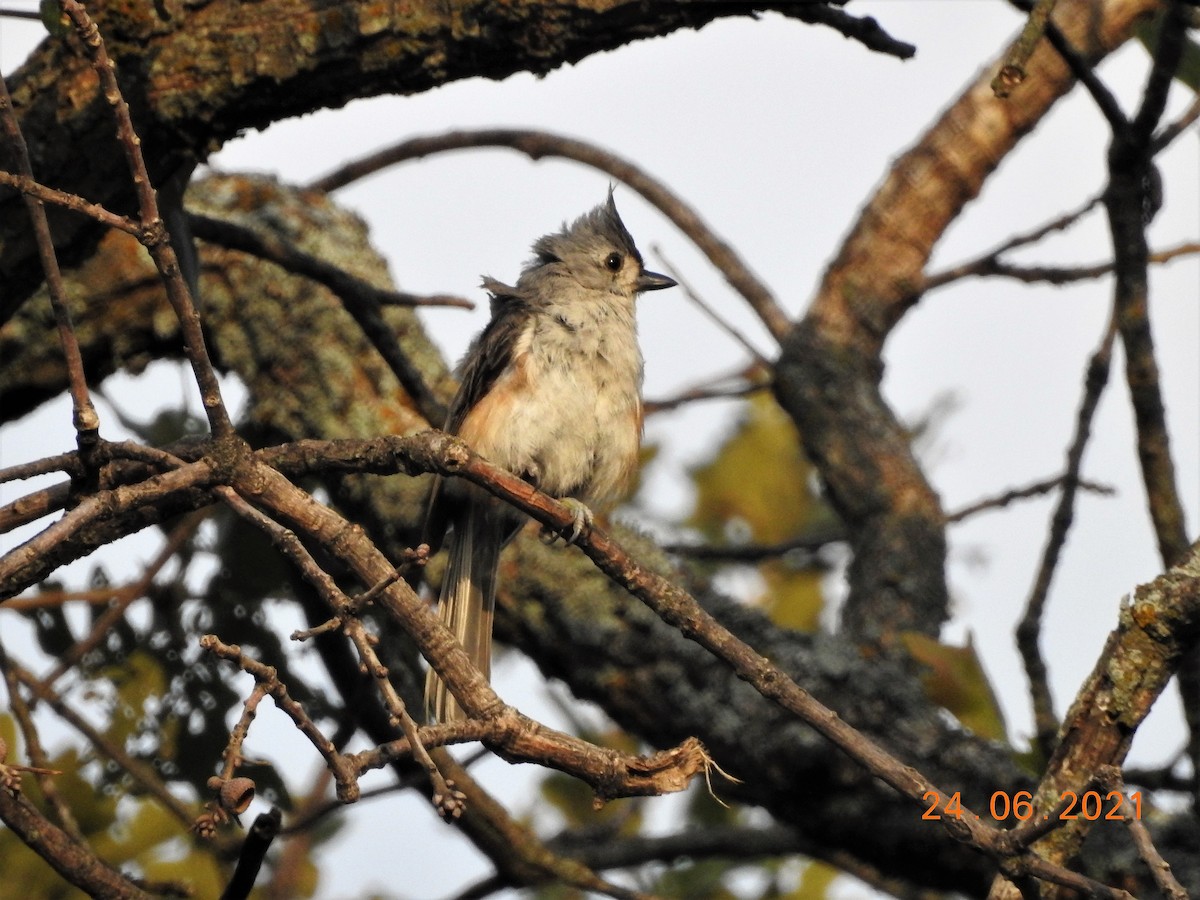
(715, 317)
(711, 391)
(753, 553)
(288, 256)
(268, 677)
(1056, 275)
(1031, 490)
(307, 817)
(1160, 869)
(1168, 135)
(1012, 72)
(612, 849)
(346, 610)
(63, 462)
(154, 235)
(1111, 779)
(520, 856)
(446, 797)
(123, 597)
(141, 772)
(363, 301)
(231, 756)
(84, 416)
(992, 257)
(1029, 630)
(73, 202)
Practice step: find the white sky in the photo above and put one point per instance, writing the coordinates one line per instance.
(777, 132)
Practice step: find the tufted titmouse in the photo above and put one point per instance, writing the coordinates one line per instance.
(552, 391)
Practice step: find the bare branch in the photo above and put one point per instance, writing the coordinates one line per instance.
(1168, 135)
(719, 387)
(73, 202)
(1031, 490)
(983, 263)
(72, 860)
(122, 598)
(85, 418)
(706, 308)
(519, 855)
(1029, 629)
(1160, 870)
(753, 553)
(37, 754)
(267, 682)
(142, 773)
(1056, 275)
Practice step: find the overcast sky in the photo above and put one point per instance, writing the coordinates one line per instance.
(777, 132)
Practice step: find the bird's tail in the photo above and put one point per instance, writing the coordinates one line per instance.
(468, 600)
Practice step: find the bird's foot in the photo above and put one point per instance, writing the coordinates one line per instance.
(582, 518)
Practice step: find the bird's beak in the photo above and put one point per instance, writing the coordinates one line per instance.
(652, 281)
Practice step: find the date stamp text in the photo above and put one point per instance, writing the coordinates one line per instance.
(1091, 806)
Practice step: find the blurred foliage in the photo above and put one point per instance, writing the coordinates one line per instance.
(128, 831)
(954, 678)
(755, 489)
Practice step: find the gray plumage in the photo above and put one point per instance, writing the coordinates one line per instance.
(551, 391)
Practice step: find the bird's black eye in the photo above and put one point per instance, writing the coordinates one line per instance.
(613, 262)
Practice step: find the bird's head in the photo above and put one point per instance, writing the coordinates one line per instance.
(598, 252)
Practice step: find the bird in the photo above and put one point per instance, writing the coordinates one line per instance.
(550, 390)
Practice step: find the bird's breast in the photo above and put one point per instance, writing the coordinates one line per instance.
(567, 412)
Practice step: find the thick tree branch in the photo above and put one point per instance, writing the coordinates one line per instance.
(1159, 625)
(203, 73)
(829, 372)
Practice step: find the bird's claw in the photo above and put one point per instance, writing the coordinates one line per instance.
(582, 518)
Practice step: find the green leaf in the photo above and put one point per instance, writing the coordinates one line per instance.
(53, 17)
(756, 486)
(815, 881)
(954, 679)
(138, 679)
(793, 598)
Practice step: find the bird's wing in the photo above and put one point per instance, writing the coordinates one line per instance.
(489, 357)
